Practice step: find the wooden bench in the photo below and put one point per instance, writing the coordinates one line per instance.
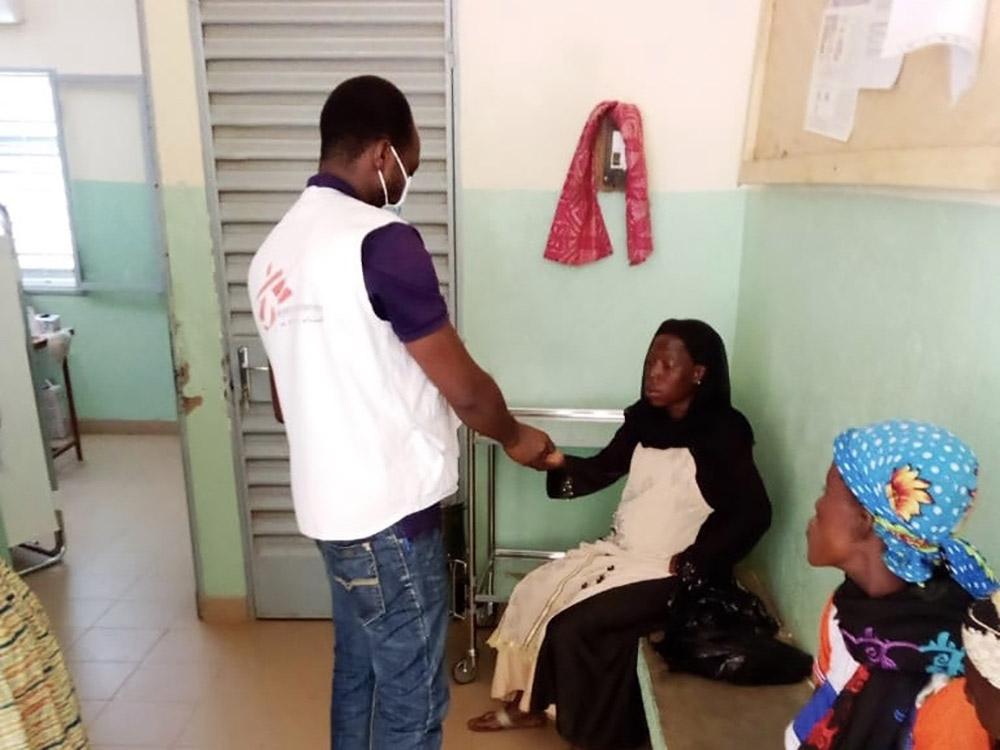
(685, 712)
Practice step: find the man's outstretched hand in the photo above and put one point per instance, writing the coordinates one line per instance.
(533, 448)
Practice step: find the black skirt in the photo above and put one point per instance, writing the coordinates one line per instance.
(587, 665)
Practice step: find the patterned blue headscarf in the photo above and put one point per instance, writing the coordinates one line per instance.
(918, 481)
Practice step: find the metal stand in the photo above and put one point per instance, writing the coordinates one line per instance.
(53, 556)
(60, 446)
(74, 421)
(466, 669)
(482, 600)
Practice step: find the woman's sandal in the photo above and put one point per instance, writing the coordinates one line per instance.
(501, 720)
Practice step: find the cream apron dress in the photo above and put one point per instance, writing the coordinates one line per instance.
(660, 514)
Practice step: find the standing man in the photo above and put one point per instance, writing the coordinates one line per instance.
(370, 376)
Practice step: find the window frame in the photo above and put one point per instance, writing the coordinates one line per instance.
(50, 281)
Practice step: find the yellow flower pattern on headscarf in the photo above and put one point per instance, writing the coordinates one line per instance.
(907, 492)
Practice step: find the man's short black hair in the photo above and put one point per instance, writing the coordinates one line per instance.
(360, 111)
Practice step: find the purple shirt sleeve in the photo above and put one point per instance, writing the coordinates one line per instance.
(401, 282)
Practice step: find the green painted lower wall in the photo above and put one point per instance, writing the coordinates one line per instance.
(851, 308)
(120, 357)
(559, 336)
(200, 353)
(856, 307)
(555, 336)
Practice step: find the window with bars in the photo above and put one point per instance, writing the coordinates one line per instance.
(33, 181)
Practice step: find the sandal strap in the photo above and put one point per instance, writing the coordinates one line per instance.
(503, 718)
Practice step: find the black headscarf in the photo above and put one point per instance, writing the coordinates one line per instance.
(654, 427)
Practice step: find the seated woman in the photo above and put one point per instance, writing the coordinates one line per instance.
(694, 505)
(981, 638)
(890, 659)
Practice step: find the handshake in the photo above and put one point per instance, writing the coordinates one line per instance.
(533, 448)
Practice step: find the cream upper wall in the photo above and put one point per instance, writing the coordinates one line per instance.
(104, 131)
(172, 82)
(80, 37)
(85, 42)
(102, 38)
(529, 73)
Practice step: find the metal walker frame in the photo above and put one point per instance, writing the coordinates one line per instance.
(482, 599)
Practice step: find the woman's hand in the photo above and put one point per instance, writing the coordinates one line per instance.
(533, 448)
(555, 460)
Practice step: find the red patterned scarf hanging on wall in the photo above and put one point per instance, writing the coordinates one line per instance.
(578, 235)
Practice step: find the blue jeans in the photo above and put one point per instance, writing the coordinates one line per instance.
(390, 615)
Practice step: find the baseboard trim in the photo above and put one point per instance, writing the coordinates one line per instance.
(223, 610)
(128, 427)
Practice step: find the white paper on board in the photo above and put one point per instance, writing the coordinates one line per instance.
(878, 72)
(849, 57)
(959, 24)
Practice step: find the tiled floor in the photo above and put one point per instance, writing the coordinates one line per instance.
(149, 674)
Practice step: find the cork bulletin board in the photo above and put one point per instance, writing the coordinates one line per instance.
(911, 135)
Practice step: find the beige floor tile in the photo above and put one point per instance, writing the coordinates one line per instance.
(233, 722)
(203, 644)
(292, 633)
(67, 635)
(158, 586)
(162, 613)
(174, 683)
(141, 724)
(241, 677)
(99, 680)
(122, 555)
(306, 683)
(51, 592)
(114, 644)
(78, 613)
(99, 583)
(303, 723)
(89, 710)
(522, 739)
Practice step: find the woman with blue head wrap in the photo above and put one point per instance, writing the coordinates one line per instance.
(918, 482)
(891, 659)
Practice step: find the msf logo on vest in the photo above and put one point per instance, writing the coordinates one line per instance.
(273, 294)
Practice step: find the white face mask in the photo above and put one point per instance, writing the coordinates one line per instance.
(398, 205)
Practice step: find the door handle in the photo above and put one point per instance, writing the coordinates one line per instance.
(246, 375)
